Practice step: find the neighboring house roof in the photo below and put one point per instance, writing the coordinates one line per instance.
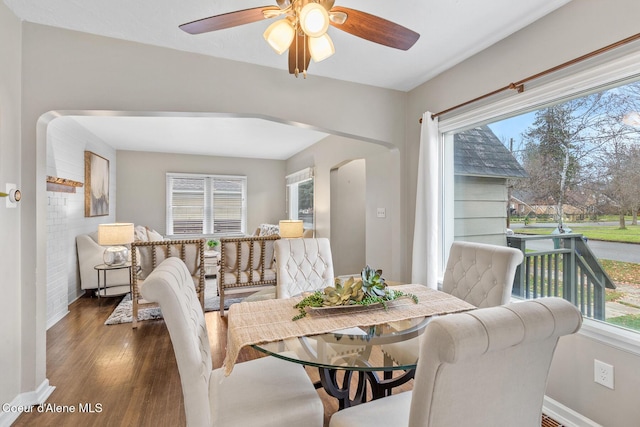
(479, 152)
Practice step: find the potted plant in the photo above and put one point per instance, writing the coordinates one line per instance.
(213, 244)
(369, 289)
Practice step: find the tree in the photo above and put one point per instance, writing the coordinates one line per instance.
(624, 179)
(620, 157)
(562, 143)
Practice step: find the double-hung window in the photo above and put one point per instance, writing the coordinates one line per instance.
(300, 197)
(200, 204)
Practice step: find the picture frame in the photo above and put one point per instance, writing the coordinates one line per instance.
(96, 185)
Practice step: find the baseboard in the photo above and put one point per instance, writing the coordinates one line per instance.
(56, 318)
(566, 416)
(30, 398)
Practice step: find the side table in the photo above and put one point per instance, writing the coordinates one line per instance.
(112, 290)
(211, 263)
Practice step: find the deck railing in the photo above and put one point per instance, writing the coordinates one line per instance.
(568, 270)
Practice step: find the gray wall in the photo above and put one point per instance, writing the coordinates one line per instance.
(573, 30)
(143, 184)
(348, 217)
(382, 178)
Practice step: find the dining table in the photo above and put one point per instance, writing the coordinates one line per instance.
(344, 341)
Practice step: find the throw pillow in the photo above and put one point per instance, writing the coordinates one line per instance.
(153, 235)
(269, 229)
(140, 233)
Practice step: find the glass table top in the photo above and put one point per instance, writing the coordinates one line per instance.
(384, 347)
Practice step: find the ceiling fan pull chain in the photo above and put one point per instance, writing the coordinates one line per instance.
(304, 50)
(297, 70)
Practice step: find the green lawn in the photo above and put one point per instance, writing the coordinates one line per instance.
(605, 232)
(629, 321)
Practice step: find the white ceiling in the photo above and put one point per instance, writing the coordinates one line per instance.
(204, 135)
(451, 31)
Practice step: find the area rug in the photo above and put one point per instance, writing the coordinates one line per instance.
(122, 313)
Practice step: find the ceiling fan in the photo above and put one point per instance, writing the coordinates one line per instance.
(303, 30)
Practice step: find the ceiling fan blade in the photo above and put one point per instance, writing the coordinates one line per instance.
(227, 20)
(375, 29)
(302, 59)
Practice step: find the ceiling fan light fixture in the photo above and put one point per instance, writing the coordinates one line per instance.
(314, 19)
(320, 48)
(279, 35)
(338, 17)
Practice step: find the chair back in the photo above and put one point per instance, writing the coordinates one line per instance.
(152, 253)
(302, 265)
(170, 285)
(481, 274)
(489, 367)
(247, 261)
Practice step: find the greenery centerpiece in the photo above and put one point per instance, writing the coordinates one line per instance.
(213, 243)
(369, 289)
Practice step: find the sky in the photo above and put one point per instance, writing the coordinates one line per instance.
(513, 127)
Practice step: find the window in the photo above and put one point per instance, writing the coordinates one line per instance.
(206, 204)
(583, 131)
(300, 197)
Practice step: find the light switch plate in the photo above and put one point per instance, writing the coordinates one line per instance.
(381, 213)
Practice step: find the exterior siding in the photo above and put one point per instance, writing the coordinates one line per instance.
(480, 209)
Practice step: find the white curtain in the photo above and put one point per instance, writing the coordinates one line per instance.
(425, 232)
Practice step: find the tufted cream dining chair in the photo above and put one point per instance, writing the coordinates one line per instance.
(478, 273)
(481, 274)
(306, 265)
(262, 392)
(486, 367)
(302, 265)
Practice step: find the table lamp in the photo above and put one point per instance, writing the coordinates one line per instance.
(116, 235)
(291, 228)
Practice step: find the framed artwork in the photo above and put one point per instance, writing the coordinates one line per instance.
(96, 185)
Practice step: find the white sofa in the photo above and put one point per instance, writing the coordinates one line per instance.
(89, 255)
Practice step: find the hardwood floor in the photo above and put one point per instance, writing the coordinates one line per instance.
(129, 377)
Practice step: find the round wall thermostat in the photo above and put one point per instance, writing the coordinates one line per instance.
(15, 195)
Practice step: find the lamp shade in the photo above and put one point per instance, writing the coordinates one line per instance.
(291, 228)
(119, 233)
(279, 35)
(321, 47)
(115, 235)
(314, 19)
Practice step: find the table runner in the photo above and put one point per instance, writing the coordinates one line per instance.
(270, 320)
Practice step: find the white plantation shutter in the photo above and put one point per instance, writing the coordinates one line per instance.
(228, 204)
(206, 204)
(187, 205)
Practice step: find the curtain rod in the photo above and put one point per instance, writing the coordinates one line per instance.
(519, 85)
